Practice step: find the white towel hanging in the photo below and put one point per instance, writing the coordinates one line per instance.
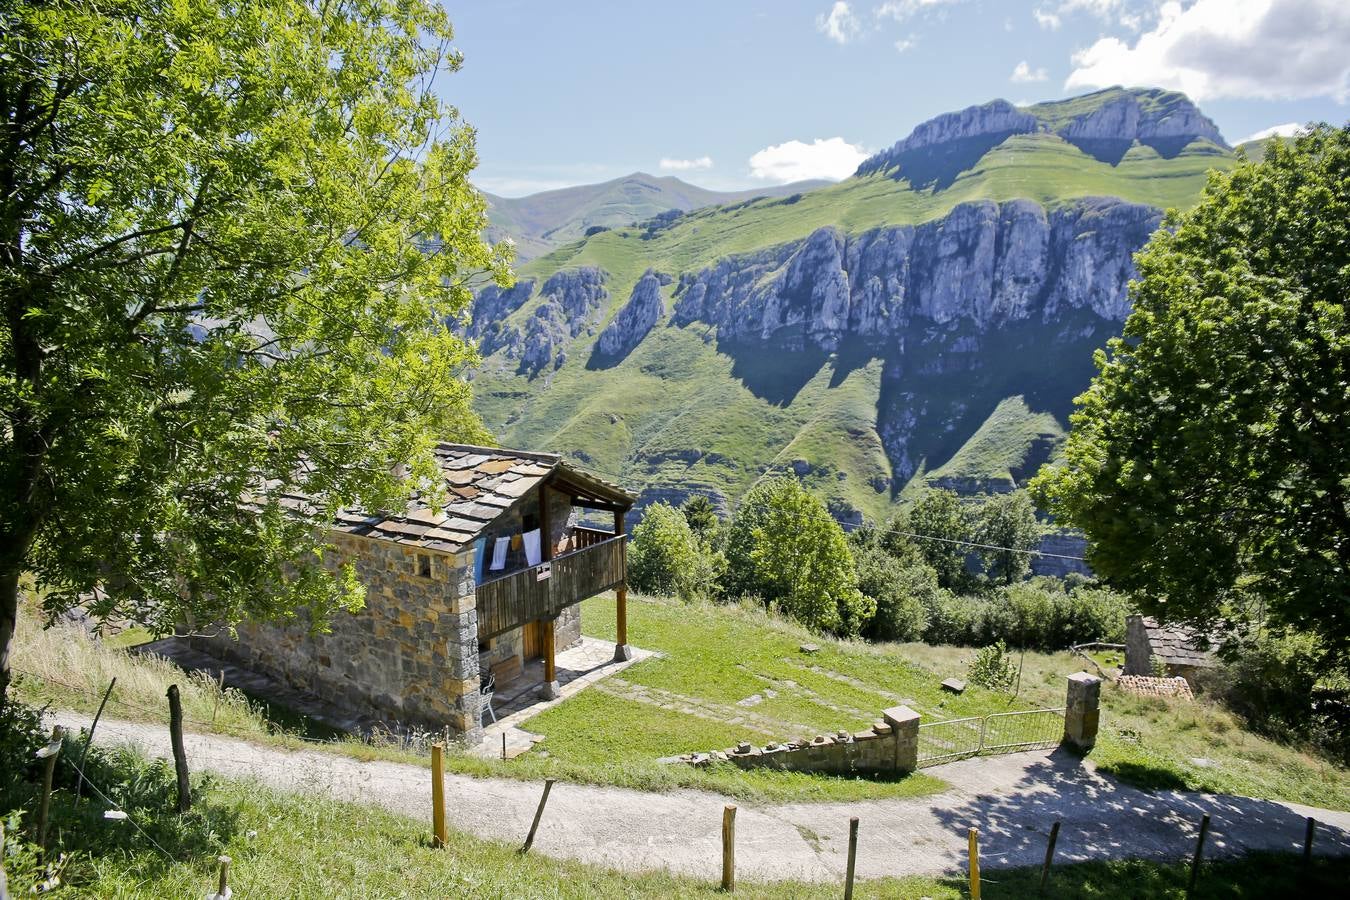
(499, 553)
(532, 554)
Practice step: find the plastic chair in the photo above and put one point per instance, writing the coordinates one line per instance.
(485, 690)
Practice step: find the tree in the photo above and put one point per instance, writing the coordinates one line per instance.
(1208, 460)
(943, 524)
(1008, 522)
(785, 548)
(701, 515)
(664, 555)
(234, 241)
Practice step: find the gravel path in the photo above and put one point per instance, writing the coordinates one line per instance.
(1012, 799)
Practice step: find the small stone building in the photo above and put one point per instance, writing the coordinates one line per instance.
(1180, 649)
(485, 586)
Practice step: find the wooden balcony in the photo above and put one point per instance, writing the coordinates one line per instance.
(543, 591)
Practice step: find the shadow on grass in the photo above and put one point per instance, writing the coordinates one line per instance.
(1146, 777)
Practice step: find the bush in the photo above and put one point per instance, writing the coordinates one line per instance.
(901, 593)
(954, 618)
(991, 668)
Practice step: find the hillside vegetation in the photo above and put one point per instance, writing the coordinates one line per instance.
(688, 411)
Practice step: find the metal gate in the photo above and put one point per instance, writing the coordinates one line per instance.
(1034, 729)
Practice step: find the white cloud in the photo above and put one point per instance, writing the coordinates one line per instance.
(900, 10)
(840, 24)
(833, 158)
(1023, 72)
(1288, 129)
(685, 165)
(1267, 49)
(905, 44)
(1046, 19)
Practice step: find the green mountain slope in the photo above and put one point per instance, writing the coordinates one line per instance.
(701, 404)
(539, 222)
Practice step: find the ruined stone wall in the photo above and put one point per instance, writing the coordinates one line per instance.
(410, 656)
(1138, 651)
(891, 746)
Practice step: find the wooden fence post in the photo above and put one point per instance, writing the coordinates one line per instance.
(538, 814)
(1049, 854)
(438, 835)
(1199, 854)
(79, 774)
(729, 848)
(852, 857)
(1308, 839)
(48, 756)
(974, 850)
(223, 885)
(179, 754)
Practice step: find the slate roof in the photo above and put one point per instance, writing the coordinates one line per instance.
(1176, 645)
(481, 483)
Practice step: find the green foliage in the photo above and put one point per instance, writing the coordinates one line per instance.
(941, 518)
(701, 515)
(785, 548)
(665, 557)
(1208, 455)
(233, 248)
(902, 593)
(991, 668)
(1007, 521)
(1284, 686)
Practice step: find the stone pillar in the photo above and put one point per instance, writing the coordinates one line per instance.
(1082, 710)
(904, 724)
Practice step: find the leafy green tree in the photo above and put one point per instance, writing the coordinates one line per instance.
(665, 557)
(942, 522)
(785, 548)
(701, 515)
(234, 239)
(1008, 522)
(1209, 455)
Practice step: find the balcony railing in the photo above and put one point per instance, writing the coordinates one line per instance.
(543, 591)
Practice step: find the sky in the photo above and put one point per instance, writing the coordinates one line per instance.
(742, 93)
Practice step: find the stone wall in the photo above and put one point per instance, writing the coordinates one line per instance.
(891, 746)
(1138, 652)
(410, 656)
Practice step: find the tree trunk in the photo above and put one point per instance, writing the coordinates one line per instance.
(9, 616)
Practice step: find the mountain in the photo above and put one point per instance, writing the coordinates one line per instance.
(927, 321)
(540, 222)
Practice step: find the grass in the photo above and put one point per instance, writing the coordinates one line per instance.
(284, 846)
(728, 674)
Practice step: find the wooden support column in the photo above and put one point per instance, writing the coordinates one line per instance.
(551, 689)
(622, 651)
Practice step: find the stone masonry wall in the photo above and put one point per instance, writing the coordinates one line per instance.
(410, 656)
(891, 746)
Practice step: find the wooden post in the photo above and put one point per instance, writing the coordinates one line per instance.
(550, 658)
(79, 769)
(179, 754)
(729, 848)
(538, 814)
(48, 756)
(503, 745)
(621, 649)
(1308, 839)
(852, 857)
(1199, 855)
(438, 835)
(1049, 854)
(223, 888)
(974, 840)
(545, 536)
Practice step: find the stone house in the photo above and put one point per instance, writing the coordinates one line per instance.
(1182, 651)
(488, 584)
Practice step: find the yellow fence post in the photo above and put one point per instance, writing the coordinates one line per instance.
(437, 796)
(974, 864)
(729, 848)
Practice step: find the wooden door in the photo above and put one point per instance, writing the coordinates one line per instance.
(533, 640)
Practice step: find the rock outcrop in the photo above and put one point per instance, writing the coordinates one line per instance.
(997, 119)
(635, 319)
(985, 263)
(490, 308)
(571, 302)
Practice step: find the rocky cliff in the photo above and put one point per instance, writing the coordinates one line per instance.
(572, 302)
(634, 319)
(985, 263)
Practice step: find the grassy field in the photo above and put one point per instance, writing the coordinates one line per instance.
(730, 674)
(284, 846)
